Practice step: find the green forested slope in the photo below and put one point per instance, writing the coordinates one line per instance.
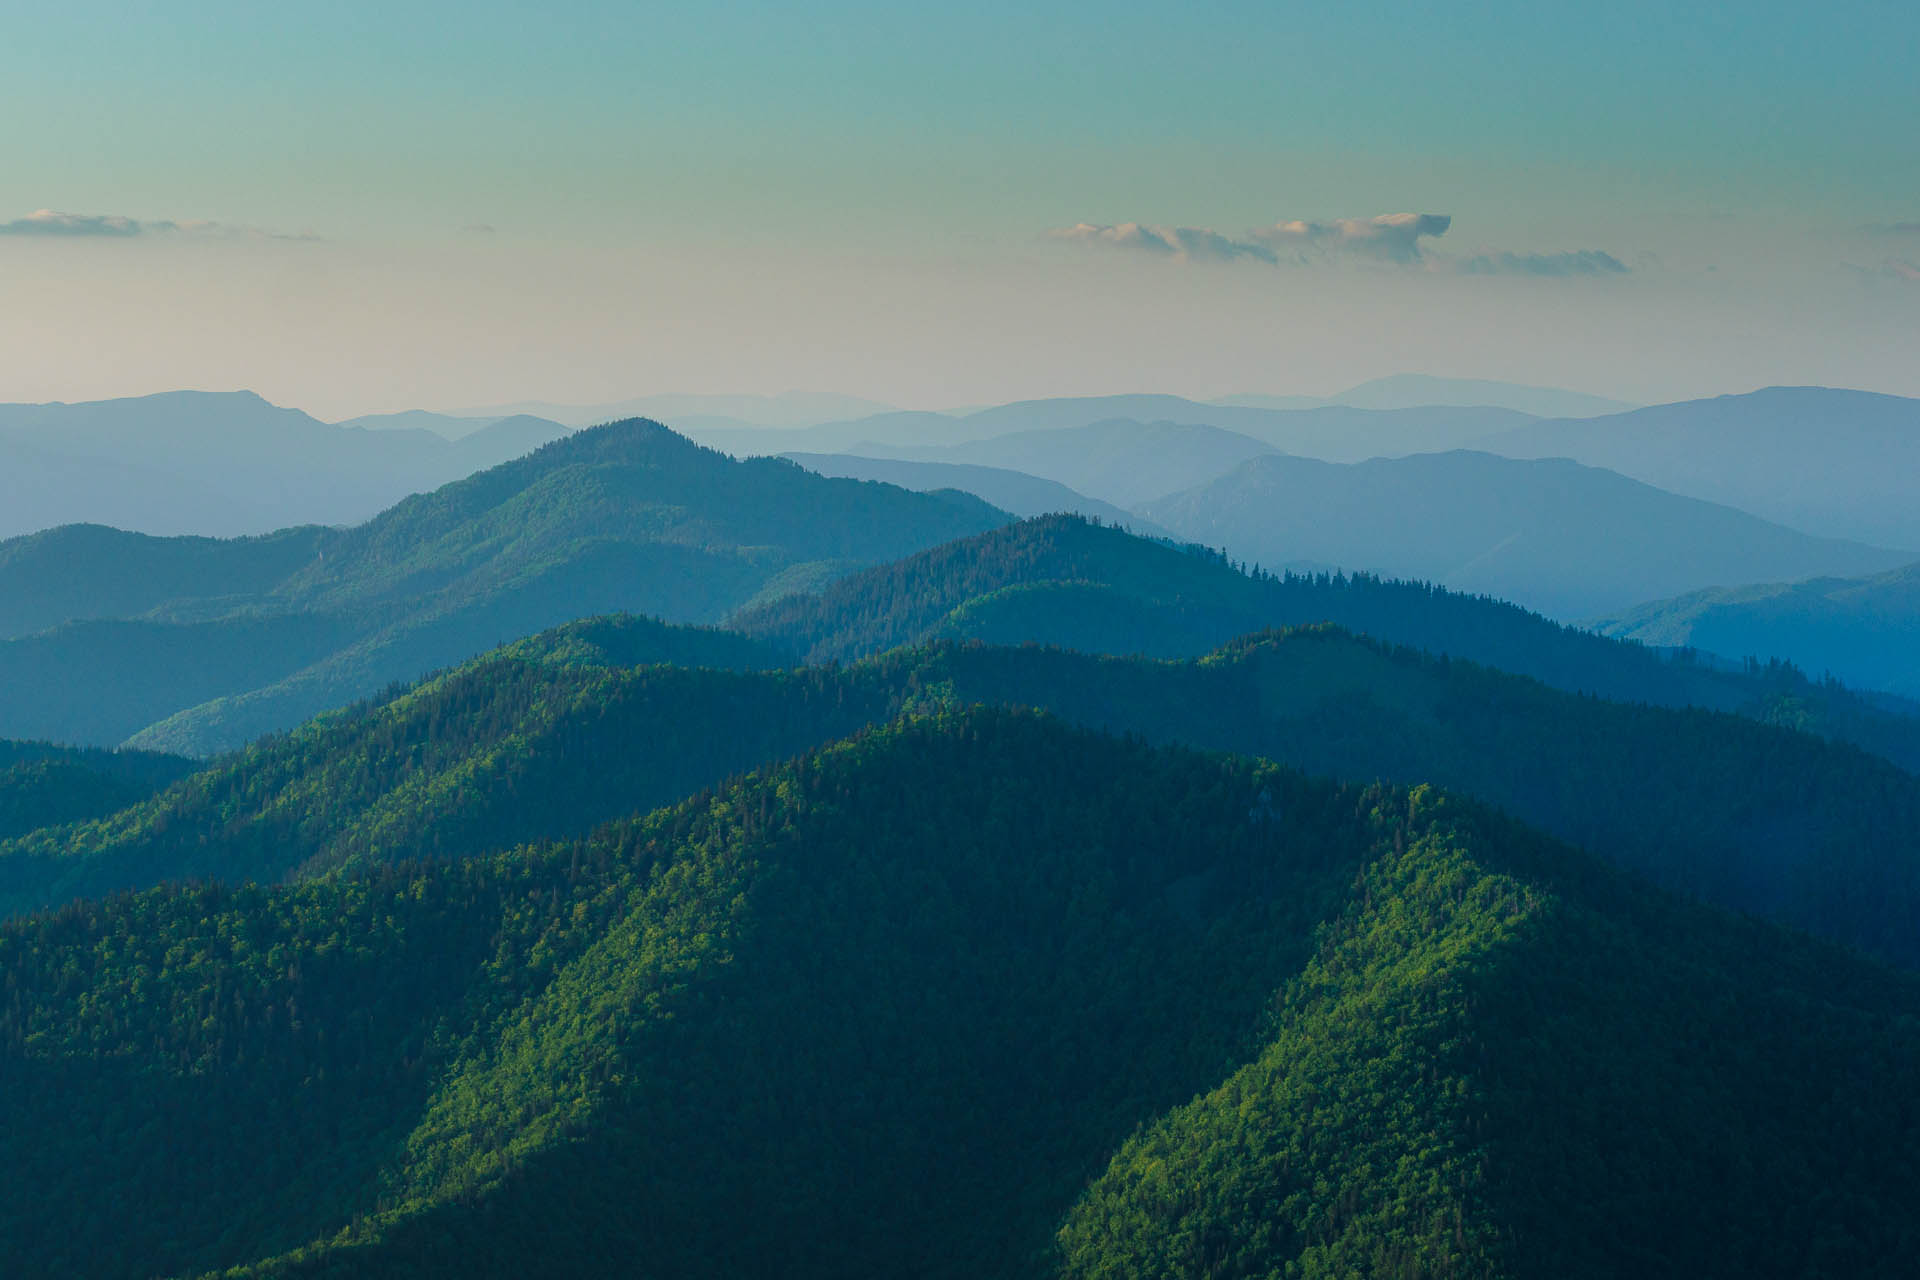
(546, 739)
(894, 1008)
(42, 785)
(1062, 580)
(83, 571)
(1501, 1064)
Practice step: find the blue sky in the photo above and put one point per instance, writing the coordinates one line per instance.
(590, 201)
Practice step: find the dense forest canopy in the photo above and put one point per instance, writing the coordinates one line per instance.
(580, 725)
(969, 994)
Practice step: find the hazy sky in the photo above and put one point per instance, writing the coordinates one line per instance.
(358, 206)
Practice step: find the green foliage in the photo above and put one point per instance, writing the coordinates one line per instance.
(1062, 580)
(974, 994)
(555, 734)
(42, 785)
(1503, 1065)
(83, 571)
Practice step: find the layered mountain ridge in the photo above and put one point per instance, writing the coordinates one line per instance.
(1322, 1027)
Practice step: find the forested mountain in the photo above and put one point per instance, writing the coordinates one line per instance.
(223, 464)
(42, 785)
(1014, 492)
(1568, 540)
(88, 571)
(565, 730)
(627, 516)
(1866, 631)
(1068, 582)
(969, 995)
(1836, 463)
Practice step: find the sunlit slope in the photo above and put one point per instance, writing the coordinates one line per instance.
(560, 732)
(894, 1009)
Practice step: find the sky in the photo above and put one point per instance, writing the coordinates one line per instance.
(363, 207)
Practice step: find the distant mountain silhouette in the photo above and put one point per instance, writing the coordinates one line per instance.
(225, 464)
(1119, 461)
(1841, 464)
(456, 428)
(790, 409)
(1335, 432)
(1417, 390)
(1410, 390)
(1014, 492)
(1565, 539)
(1865, 631)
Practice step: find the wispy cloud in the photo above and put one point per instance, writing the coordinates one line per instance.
(1903, 269)
(1578, 262)
(1894, 228)
(1191, 244)
(50, 222)
(46, 222)
(1391, 237)
(1394, 240)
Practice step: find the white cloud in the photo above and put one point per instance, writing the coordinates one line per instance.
(49, 222)
(1189, 244)
(1392, 237)
(1902, 269)
(46, 222)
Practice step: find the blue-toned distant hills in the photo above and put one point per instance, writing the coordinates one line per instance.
(223, 464)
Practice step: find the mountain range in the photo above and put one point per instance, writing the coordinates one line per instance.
(1568, 540)
(1419, 390)
(553, 734)
(628, 516)
(1865, 631)
(971, 993)
(629, 857)
(1831, 462)
(1014, 492)
(1336, 432)
(222, 464)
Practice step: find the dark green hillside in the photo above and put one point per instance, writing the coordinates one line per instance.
(499, 751)
(83, 571)
(1500, 1064)
(42, 785)
(893, 1009)
(558, 733)
(97, 683)
(634, 483)
(627, 516)
(678, 580)
(1754, 817)
(1062, 580)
